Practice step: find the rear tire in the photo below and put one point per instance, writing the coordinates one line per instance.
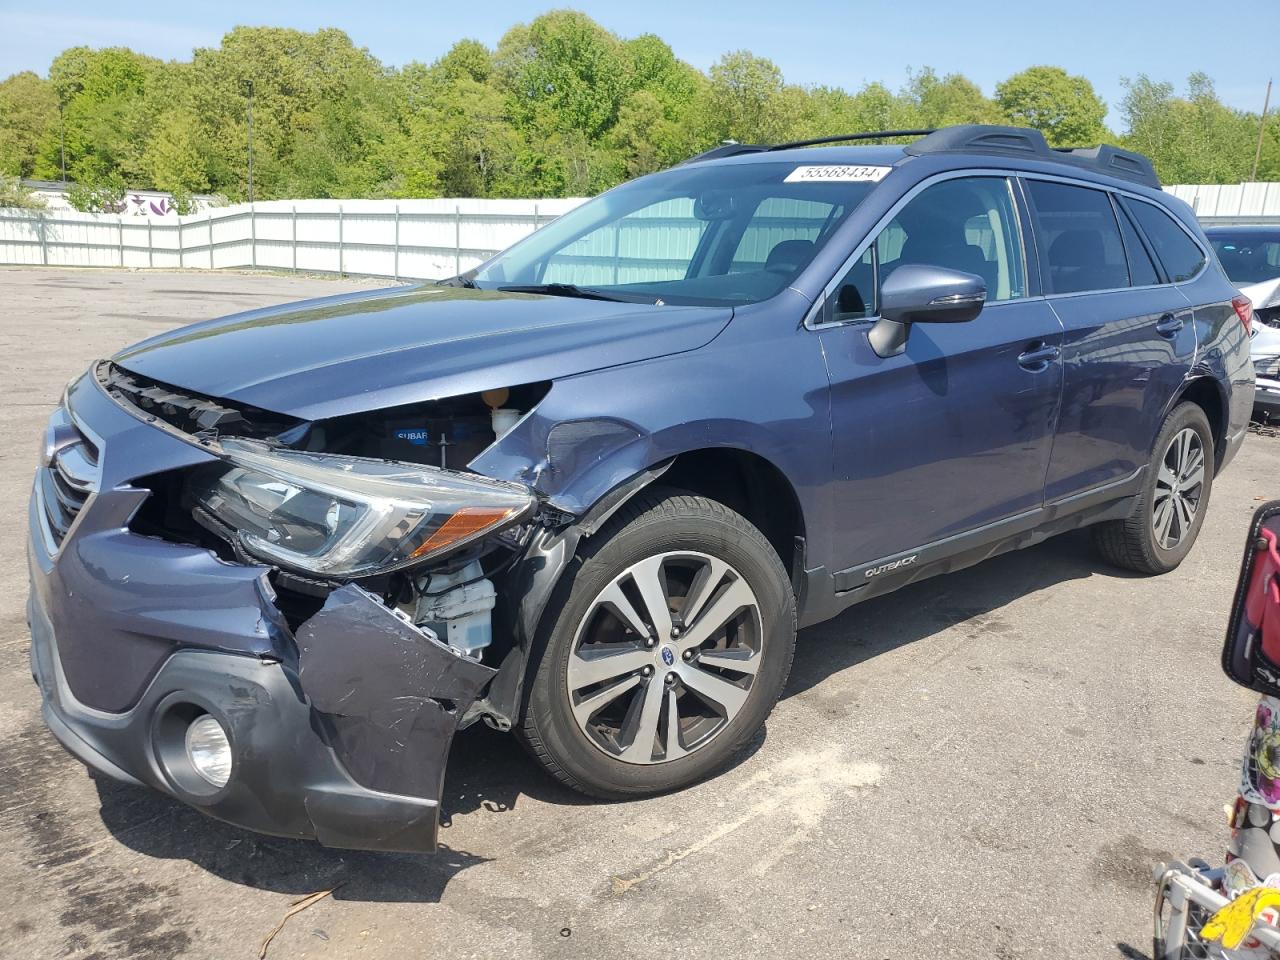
(1169, 511)
(606, 728)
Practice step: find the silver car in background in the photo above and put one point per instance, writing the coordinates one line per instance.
(1251, 257)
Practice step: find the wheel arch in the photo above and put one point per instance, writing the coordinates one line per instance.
(1208, 394)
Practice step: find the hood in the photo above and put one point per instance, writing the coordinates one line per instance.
(1264, 294)
(367, 351)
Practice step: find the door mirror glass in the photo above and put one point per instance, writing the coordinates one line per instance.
(1251, 655)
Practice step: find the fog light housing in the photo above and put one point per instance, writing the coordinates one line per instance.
(209, 750)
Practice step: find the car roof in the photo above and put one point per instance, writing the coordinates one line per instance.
(1236, 230)
(1016, 148)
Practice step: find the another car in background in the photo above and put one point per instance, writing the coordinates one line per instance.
(1251, 257)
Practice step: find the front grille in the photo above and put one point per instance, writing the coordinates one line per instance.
(65, 485)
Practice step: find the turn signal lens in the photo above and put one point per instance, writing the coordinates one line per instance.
(464, 524)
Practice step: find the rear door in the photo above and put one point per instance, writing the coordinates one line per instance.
(1128, 337)
(954, 433)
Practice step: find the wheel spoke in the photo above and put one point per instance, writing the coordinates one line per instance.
(584, 710)
(735, 597)
(613, 599)
(643, 725)
(1163, 520)
(587, 667)
(741, 661)
(652, 584)
(673, 747)
(1166, 478)
(1194, 477)
(717, 691)
(1184, 451)
(703, 588)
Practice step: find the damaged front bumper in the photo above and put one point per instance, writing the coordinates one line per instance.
(340, 734)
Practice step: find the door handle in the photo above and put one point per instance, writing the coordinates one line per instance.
(1169, 325)
(1037, 357)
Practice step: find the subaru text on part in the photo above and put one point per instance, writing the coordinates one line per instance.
(588, 491)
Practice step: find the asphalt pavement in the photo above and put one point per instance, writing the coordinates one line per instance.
(986, 764)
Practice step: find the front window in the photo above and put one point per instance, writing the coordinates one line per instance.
(967, 224)
(1248, 257)
(727, 234)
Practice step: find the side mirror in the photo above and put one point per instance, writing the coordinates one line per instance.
(1251, 654)
(917, 293)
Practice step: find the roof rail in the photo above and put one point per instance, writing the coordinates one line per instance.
(727, 149)
(849, 137)
(1028, 142)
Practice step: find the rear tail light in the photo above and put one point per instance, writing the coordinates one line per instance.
(1244, 310)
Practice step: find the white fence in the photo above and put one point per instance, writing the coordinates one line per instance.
(1232, 202)
(418, 239)
(421, 239)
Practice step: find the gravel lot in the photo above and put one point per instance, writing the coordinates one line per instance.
(985, 764)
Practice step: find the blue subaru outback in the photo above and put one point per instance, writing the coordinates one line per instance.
(589, 491)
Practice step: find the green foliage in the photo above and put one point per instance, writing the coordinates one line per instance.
(1061, 106)
(561, 106)
(28, 107)
(14, 194)
(103, 195)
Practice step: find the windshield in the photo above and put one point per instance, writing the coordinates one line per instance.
(720, 235)
(1248, 257)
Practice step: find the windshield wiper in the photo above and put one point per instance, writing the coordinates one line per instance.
(563, 290)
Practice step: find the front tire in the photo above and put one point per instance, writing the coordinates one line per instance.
(663, 651)
(1168, 513)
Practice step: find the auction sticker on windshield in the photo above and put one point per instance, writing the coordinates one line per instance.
(859, 174)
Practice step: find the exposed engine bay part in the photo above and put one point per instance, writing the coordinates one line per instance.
(390, 693)
(190, 414)
(449, 432)
(457, 604)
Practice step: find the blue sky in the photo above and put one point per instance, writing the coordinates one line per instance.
(841, 44)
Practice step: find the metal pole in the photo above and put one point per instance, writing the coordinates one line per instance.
(341, 263)
(295, 239)
(396, 261)
(210, 240)
(182, 259)
(1262, 125)
(120, 236)
(253, 238)
(457, 240)
(248, 85)
(62, 139)
(536, 224)
(44, 239)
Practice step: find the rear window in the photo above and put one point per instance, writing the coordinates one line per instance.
(1248, 257)
(1079, 238)
(1181, 256)
(1142, 271)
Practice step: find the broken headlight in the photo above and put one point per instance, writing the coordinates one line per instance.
(340, 517)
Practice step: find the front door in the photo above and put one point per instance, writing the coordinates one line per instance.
(955, 433)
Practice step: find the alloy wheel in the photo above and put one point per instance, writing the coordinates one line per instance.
(1179, 487)
(665, 657)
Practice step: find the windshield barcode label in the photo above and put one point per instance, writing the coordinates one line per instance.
(850, 174)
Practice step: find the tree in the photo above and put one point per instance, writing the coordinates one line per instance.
(744, 101)
(1061, 106)
(28, 108)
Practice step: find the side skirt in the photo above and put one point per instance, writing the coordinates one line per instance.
(829, 594)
